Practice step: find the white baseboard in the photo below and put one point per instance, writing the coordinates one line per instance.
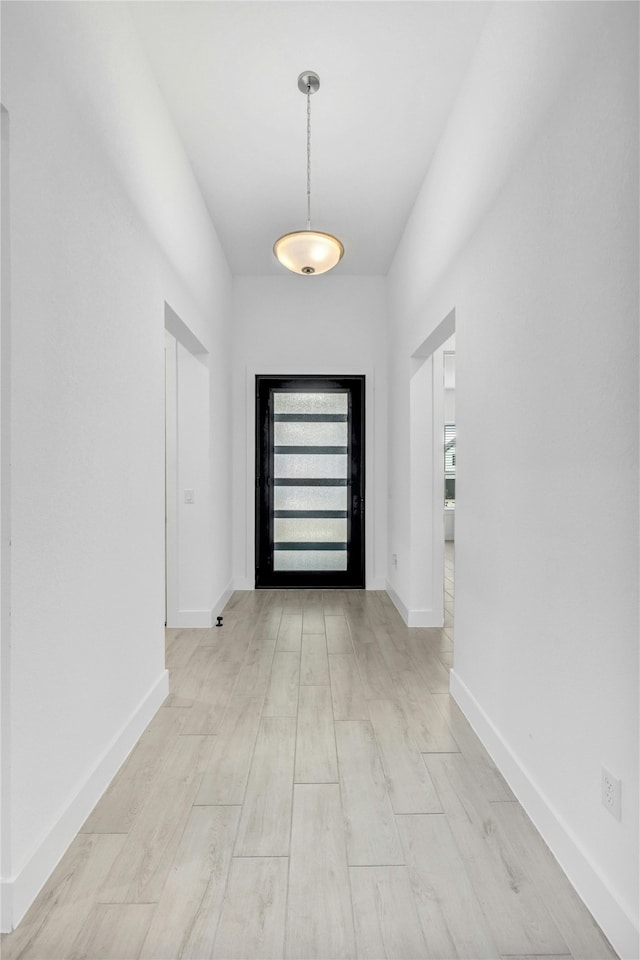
(222, 601)
(397, 602)
(423, 618)
(612, 916)
(191, 618)
(412, 618)
(19, 891)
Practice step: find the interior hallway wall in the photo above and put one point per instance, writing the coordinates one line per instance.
(542, 270)
(107, 225)
(329, 325)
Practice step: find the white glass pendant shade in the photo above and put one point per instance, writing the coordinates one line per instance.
(308, 252)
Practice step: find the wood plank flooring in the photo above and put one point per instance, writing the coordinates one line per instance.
(308, 790)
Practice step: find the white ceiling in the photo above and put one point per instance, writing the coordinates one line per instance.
(389, 74)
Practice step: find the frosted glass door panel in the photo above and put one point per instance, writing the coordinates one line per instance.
(310, 498)
(310, 560)
(310, 529)
(321, 403)
(305, 433)
(310, 437)
(309, 466)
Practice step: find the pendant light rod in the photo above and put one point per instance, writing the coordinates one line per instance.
(308, 158)
(308, 83)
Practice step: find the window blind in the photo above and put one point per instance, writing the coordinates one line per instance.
(450, 448)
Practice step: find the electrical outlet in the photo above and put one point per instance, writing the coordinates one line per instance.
(394, 559)
(612, 794)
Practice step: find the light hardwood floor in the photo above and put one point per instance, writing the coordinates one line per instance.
(308, 790)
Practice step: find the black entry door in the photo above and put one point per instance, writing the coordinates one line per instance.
(309, 481)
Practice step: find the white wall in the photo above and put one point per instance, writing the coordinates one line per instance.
(304, 325)
(542, 271)
(450, 406)
(5, 498)
(106, 225)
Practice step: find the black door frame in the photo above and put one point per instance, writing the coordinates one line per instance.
(354, 576)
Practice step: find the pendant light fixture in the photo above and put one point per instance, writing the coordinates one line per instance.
(308, 251)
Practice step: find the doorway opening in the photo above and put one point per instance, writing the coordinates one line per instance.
(188, 532)
(427, 479)
(310, 489)
(449, 379)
